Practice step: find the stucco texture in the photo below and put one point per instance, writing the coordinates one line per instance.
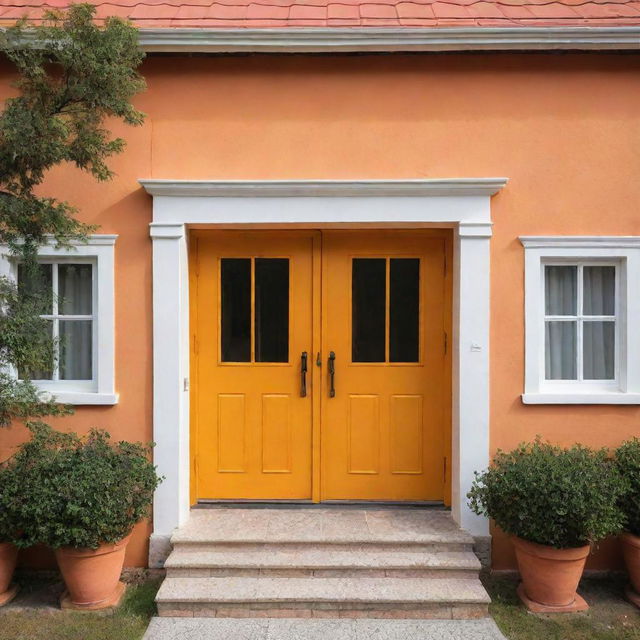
(564, 128)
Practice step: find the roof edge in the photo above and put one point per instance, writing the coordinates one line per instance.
(387, 39)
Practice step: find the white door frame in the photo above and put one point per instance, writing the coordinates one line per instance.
(463, 204)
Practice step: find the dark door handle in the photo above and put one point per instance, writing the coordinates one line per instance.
(303, 375)
(332, 374)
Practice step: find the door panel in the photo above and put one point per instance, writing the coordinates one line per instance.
(384, 318)
(253, 321)
(375, 300)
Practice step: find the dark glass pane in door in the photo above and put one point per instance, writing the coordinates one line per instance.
(368, 295)
(272, 309)
(404, 310)
(235, 286)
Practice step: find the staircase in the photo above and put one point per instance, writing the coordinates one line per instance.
(322, 563)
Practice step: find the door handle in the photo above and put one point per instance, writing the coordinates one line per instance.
(332, 374)
(303, 375)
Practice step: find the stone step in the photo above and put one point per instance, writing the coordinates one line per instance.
(319, 561)
(323, 526)
(250, 597)
(283, 629)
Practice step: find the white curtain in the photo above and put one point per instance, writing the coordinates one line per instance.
(560, 346)
(561, 298)
(598, 336)
(76, 336)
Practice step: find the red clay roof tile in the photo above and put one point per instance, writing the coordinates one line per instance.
(348, 13)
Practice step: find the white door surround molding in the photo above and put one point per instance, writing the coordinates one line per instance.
(463, 204)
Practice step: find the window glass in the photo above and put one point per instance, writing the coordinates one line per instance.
(67, 289)
(235, 285)
(599, 340)
(272, 310)
(584, 348)
(560, 350)
(404, 310)
(368, 308)
(599, 291)
(75, 349)
(75, 289)
(47, 372)
(39, 283)
(561, 291)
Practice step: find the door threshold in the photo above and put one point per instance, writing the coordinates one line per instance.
(251, 504)
(308, 504)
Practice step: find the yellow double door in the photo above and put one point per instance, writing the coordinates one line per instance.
(319, 365)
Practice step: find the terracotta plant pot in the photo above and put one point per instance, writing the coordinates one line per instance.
(550, 576)
(92, 576)
(8, 561)
(631, 553)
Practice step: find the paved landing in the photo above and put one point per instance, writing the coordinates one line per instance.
(289, 629)
(317, 524)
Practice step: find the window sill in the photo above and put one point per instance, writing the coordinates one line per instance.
(613, 397)
(83, 397)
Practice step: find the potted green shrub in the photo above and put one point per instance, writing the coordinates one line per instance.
(628, 463)
(8, 531)
(85, 496)
(554, 503)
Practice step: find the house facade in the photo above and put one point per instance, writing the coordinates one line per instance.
(357, 248)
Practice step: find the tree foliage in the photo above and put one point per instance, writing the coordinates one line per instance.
(72, 76)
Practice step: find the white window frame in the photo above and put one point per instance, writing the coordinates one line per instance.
(623, 252)
(99, 251)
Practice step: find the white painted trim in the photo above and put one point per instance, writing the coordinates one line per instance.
(348, 39)
(177, 204)
(580, 242)
(170, 371)
(625, 251)
(324, 188)
(85, 398)
(100, 248)
(581, 398)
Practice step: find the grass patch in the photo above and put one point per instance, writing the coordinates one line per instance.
(128, 622)
(609, 618)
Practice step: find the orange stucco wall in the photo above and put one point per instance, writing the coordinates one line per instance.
(564, 128)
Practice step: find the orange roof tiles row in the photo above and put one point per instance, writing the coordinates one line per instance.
(327, 13)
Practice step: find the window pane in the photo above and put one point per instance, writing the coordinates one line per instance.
(368, 293)
(599, 291)
(560, 351)
(561, 290)
(47, 372)
(74, 289)
(235, 284)
(39, 283)
(404, 310)
(75, 349)
(599, 339)
(272, 310)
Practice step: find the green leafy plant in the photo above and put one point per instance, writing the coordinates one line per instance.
(72, 76)
(68, 490)
(558, 497)
(628, 464)
(9, 490)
